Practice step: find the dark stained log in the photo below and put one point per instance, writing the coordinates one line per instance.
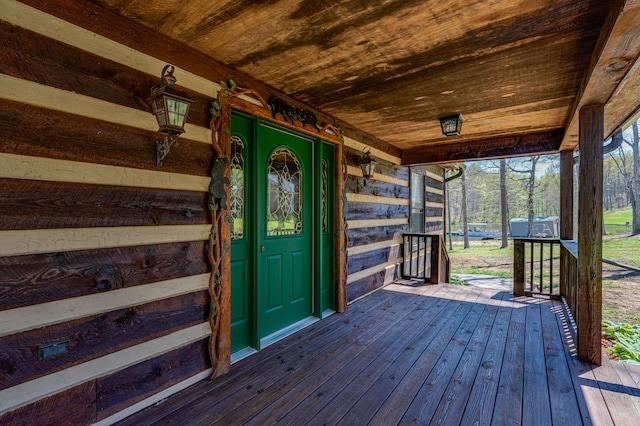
(33, 279)
(537, 143)
(31, 56)
(589, 318)
(124, 388)
(96, 336)
(434, 211)
(140, 38)
(362, 236)
(39, 132)
(356, 185)
(383, 167)
(29, 204)
(566, 195)
(359, 211)
(75, 406)
(518, 267)
(363, 261)
(434, 198)
(365, 285)
(433, 183)
(431, 227)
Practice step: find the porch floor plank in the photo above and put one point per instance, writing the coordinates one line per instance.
(432, 354)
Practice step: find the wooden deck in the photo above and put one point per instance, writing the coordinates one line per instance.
(440, 354)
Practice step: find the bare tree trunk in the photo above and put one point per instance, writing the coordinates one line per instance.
(503, 202)
(635, 181)
(464, 211)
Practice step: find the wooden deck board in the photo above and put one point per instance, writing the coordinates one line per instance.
(479, 408)
(422, 355)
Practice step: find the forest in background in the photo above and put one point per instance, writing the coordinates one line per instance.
(541, 175)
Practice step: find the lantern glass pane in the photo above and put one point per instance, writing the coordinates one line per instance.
(450, 126)
(159, 111)
(177, 112)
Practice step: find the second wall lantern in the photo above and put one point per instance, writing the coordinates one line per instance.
(451, 125)
(367, 165)
(171, 109)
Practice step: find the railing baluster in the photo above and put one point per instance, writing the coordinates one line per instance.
(531, 269)
(541, 267)
(550, 268)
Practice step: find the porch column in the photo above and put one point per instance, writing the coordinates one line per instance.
(589, 317)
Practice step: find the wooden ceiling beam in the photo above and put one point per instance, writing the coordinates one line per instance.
(616, 51)
(512, 146)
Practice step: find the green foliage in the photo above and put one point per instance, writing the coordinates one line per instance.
(626, 340)
(458, 281)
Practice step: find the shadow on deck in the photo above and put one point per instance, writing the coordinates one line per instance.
(434, 354)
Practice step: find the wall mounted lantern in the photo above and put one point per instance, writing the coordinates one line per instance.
(171, 108)
(367, 165)
(451, 125)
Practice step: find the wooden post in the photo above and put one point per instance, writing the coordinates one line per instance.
(566, 215)
(341, 229)
(518, 267)
(435, 259)
(566, 195)
(589, 317)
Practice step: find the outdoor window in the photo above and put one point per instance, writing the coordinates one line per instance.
(416, 221)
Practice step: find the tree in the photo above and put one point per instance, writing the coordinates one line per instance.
(531, 183)
(463, 180)
(503, 202)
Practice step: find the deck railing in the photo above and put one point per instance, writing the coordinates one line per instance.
(536, 266)
(425, 257)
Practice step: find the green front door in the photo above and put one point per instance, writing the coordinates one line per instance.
(284, 229)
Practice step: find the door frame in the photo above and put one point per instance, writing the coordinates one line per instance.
(232, 97)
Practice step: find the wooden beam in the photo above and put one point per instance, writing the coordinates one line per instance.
(536, 143)
(566, 195)
(589, 317)
(616, 50)
(566, 217)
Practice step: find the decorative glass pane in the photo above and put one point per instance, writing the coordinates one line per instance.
(284, 215)
(325, 191)
(237, 188)
(177, 112)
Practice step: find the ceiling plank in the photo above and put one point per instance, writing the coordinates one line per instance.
(616, 51)
(537, 143)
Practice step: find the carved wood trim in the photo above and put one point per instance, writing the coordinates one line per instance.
(233, 97)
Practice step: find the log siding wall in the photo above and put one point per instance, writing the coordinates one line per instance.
(378, 213)
(100, 248)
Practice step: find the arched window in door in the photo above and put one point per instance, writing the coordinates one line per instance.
(284, 215)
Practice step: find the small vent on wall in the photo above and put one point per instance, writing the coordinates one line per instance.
(53, 349)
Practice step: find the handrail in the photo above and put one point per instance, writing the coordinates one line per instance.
(419, 257)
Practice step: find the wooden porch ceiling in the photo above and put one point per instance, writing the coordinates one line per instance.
(436, 354)
(517, 69)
